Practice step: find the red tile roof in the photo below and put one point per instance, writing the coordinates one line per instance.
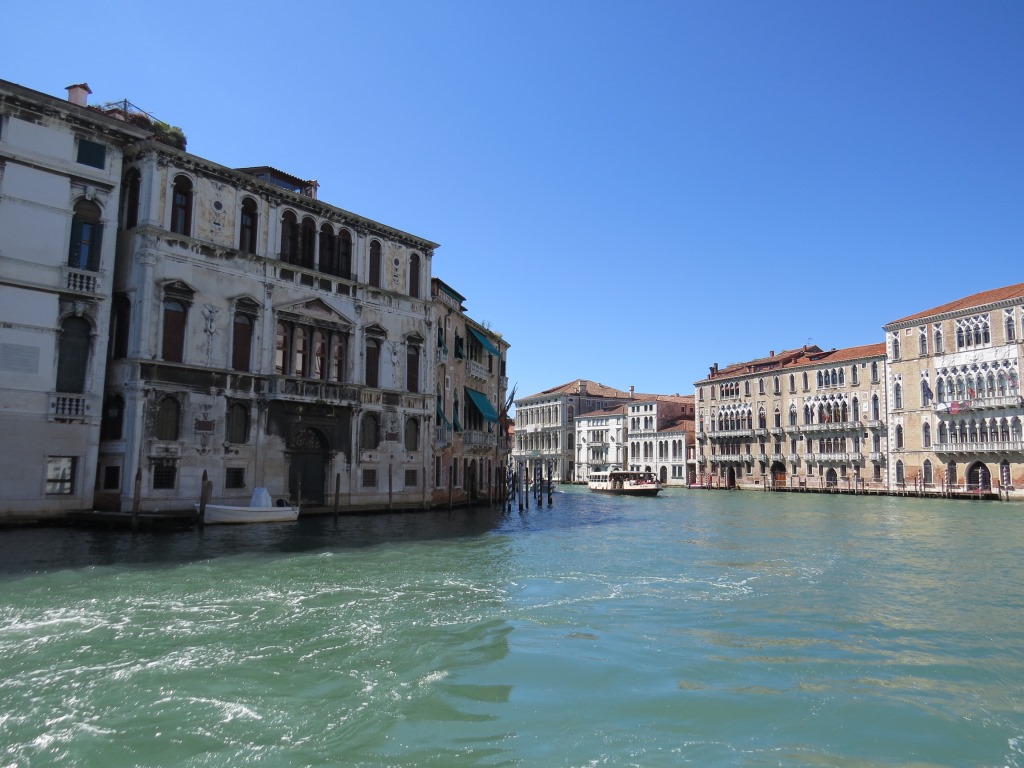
(969, 302)
(797, 358)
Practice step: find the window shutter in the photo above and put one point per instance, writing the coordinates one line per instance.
(75, 250)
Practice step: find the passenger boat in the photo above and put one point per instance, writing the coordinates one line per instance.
(624, 482)
(260, 510)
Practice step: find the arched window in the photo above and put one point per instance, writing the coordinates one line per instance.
(874, 370)
(173, 348)
(328, 256)
(307, 243)
(899, 437)
(247, 228)
(375, 264)
(895, 347)
(806, 385)
(940, 390)
(856, 409)
(168, 419)
(345, 254)
(181, 206)
(241, 342)
(236, 426)
(370, 432)
(927, 475)
(835, 378)
(373, 362)
(1011, 328)
(926, 435)
(792, 416)
(792, 382)
(875, 411)
(86, 236)
(820, 380)
(412, 434)
(899, 473)
(778, 418)
(760, 386)
(414, 276)
(922, 343)
(897, 395)
(943, 434)
(133, 186)
(301, 357)
(938, 341)
(73, 355)
(926, 393)
(960, 339)
(289, 238)
(412, 368)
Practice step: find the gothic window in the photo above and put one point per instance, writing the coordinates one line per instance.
(248, 226)
(897, 396)
(792, 384)
(899, 473)
(922, 343)
(181, 206)
(86, 236)
(856, 409)
(414, 276)
(854, 377)
(874, 371)
(375, 264)
(927, 477)
(760, 386)
(236, 424)
(168, 419)
(938, 341)
(874, 408)
(806, 385)
(778, 418)
(926, 435)
(821, 380)
(926, 393)
(895, 347)
(73, 355)
(940, 390)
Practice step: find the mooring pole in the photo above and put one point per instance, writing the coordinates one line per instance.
(137, 499)
(204, 499)
(337, 494)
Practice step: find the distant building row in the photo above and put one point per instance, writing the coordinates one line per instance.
(162, 315)
(935, 409)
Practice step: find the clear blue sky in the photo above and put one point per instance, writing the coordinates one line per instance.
(628, 192)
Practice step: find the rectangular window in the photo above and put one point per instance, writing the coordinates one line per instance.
(164, 476)
(60, 475)
(234, 477)
(369, 478)
(411, 479)
(92, 154)
(111, 478)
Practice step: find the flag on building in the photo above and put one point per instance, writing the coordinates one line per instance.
(927, 391)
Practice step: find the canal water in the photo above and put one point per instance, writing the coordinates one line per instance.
(697, 628)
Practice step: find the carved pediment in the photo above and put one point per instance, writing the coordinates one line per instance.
(314, 311)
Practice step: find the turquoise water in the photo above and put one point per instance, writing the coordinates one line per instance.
(698, 628)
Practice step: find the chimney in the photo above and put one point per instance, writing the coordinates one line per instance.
(631, 391)
(581, 387)
(79, 94)
(771, 353)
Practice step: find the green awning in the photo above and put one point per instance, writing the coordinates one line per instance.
(441, 418)
(483, 405)
(487, 343)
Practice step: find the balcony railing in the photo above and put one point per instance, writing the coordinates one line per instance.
(761, 432)
(442, 436)
(477, 370)
(80, 280)
(728, 433)
(64, 407)
(762, 457)
(979, 404)
(875, 424)
(285, 388)
(475, 437)
(777, 431)
(793, 458)
(833, 426)
(995, 446)
(876, 456)
(778, 457)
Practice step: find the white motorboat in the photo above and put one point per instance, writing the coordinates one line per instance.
(261, 509)
(624, 482)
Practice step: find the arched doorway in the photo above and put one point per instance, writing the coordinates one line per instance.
(979, 478)
(778, 471)
(831, 479)
(730, 478)
(663, 475)
(308, 465)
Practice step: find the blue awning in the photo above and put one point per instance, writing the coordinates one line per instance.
(487, 343)
(483, 405)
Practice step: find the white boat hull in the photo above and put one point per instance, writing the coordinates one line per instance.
(221, 513)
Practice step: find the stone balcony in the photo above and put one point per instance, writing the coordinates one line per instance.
(835, 426)
(993, 446)
(725, 434)
(979, 404)
(68, 407)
